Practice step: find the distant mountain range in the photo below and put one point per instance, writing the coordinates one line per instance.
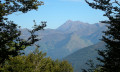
(79, 58)
(68, 38)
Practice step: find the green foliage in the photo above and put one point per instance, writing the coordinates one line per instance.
(111, 55)
(10, 42)
(36, 62)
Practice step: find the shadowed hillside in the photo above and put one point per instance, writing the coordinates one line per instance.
(81, 56)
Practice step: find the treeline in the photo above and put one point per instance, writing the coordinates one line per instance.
(35, 62)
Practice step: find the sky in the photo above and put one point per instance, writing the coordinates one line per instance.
(57, 12)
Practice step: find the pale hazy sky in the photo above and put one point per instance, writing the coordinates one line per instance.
(57, 12)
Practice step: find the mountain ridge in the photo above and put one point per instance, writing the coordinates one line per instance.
(59, 44)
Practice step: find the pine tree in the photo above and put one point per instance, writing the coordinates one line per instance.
(10, 42)
(111, 55)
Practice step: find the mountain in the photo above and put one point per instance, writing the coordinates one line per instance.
(68, 38)
(72, 26)
(81, 56)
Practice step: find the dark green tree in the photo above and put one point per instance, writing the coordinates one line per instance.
(10, 42)
(110, 57)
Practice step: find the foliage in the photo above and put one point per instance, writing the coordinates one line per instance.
(10, 42)
(36, 62)
(92, 67)
(110, 56)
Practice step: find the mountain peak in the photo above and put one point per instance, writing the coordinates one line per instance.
(69, 21)
(72, 26)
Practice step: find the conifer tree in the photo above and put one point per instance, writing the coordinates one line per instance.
(111, 55)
